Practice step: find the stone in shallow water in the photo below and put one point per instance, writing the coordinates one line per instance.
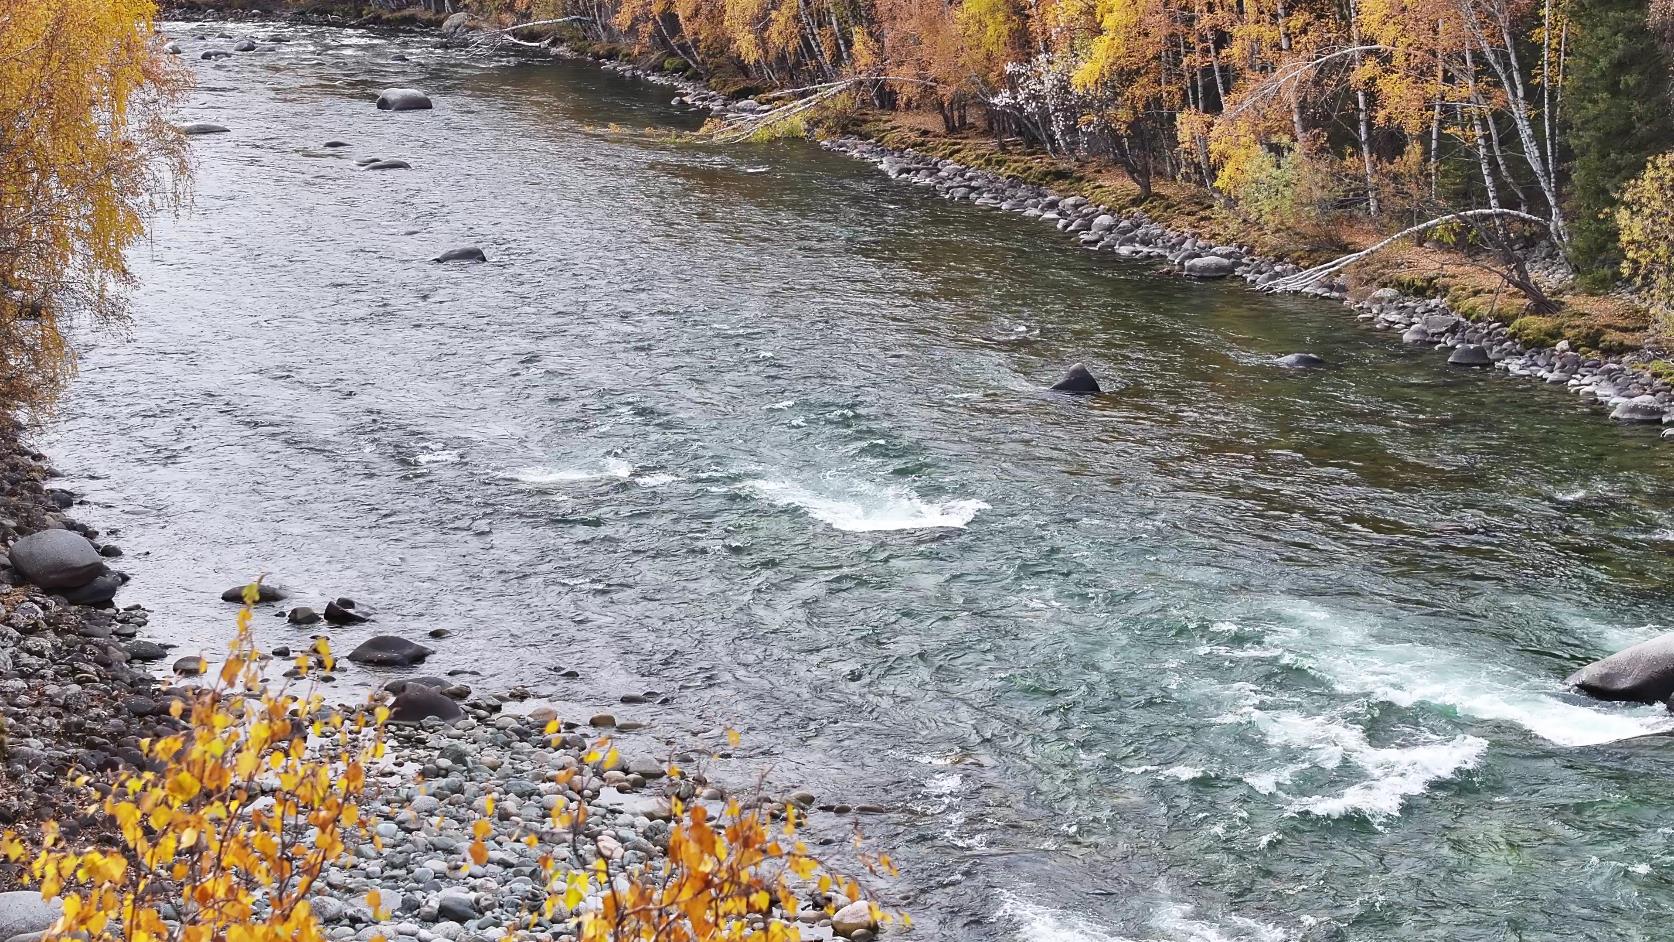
(403, 99)
(265, 592)
(1301, 361)
(389, 651)
(1209, 266)
(197, 128)
(1469, 354)
(469, 253)
(1639, 409)
(388, 165)
(1077, 380)
(418, 703)
(1643, 673)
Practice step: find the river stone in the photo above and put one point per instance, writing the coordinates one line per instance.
(456, 906)
(1440, 323)
(98, 592)
(1416, 334)
(335, 144)
(265, 592)
(191, 666)
(1209, 266)
(245, 45)
(388, 165)
(853, 918)
(1301, 361)
(1638, 409)
(302, 615)
(216, 54)
(172, 48)
(146, 651)
(1078, 380)
(197, 128)
(398, 686)
(469, 253)
(1469, 354)
(344, 611)
(419, 703)
(390, 651)
(1643, 673)
(403, 99)
(57, 559)
(456, 24)
(24, 912)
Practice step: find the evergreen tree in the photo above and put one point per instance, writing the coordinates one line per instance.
(1620, 116)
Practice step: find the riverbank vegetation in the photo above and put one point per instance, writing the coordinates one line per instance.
(87, 155)
(1317, 126)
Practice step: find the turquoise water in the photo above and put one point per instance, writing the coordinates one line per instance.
(1230, 653)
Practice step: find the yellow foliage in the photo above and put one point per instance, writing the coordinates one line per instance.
(1645, 218)
(86, 155)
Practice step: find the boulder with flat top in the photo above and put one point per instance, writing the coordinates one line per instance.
(403, 99)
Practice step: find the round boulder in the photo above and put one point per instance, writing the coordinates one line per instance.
(1209, 266)
(57, 559)
(1078, 380)
(1469, 354)
(403, 99)
(1416, 334)
(190, 666)
(418, 703)
(398, 686)
(390, 651)
(1301, 361)
(1639, 409)
(98, 592)
(24, 912)
(213, 54)
(245, 45)
(469, 253)
(1643, 673)
(302, 615)
(853, 918)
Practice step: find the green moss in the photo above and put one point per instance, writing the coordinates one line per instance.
(1661, 369)
(1538, 331)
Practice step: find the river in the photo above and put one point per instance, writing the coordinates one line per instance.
(1230, 653)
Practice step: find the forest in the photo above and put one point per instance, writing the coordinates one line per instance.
(1548, 117)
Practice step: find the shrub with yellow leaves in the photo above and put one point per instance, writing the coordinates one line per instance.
(229, 829)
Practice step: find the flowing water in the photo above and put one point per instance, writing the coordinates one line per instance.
(1231, 653)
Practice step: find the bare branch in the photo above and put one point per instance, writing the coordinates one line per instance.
(1303, 280)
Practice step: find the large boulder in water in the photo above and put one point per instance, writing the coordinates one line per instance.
(457, 24)
(1301, 361)
(418, 703)
(24, 913)
(388, 165)
(1643, 673)
(57, 559)
(1078, 380)
(1209, 266)
(403, 99)
(1639, 409)
(100, 591)
(390, 651)
(265, 592)
(198, 128)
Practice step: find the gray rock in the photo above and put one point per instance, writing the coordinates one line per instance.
(245, 45)
(1416, 334)
(397, 686)
(98, 592)
(302, 615)
(344, 611)
(469, 253)
(202, 127)
(146, 651)
(172, 48)
(388, 165)
(23, 912)
(456, 24)
(456, 906)
(403, 99)
(390, 651)
(57, 559)
(1639, 409)
(212, 54)
(265, 592)
(1209, 266)
(1643, 673)
(1301, 361)
(853, 918)
(1077, 380)
(1440, 323)
(1469, 354)
(418, 703)
(190, 666)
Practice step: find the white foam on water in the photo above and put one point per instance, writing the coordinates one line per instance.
(1184, 773)
(862, 508)
(1171, 922)
(658, 480)
(781, 406)
(607, 469)
(446, 456)
(1395, 773)
(1408, 674)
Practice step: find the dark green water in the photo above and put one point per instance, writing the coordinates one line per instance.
(1232, 653)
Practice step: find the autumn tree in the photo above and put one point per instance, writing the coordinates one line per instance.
(86, 157)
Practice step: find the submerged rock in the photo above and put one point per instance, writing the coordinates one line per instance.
(197, 128)
(469, 253)
(57, 559)
(403, 99)
(1301, 361)
(418, 703)
(335, 144)
(1469, 354)
(390, 651)
(388, 165)
(1643, 673)
(1209, 266)
(213, 54)
(344, 611)
(1639, 409)
(1078, 380)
